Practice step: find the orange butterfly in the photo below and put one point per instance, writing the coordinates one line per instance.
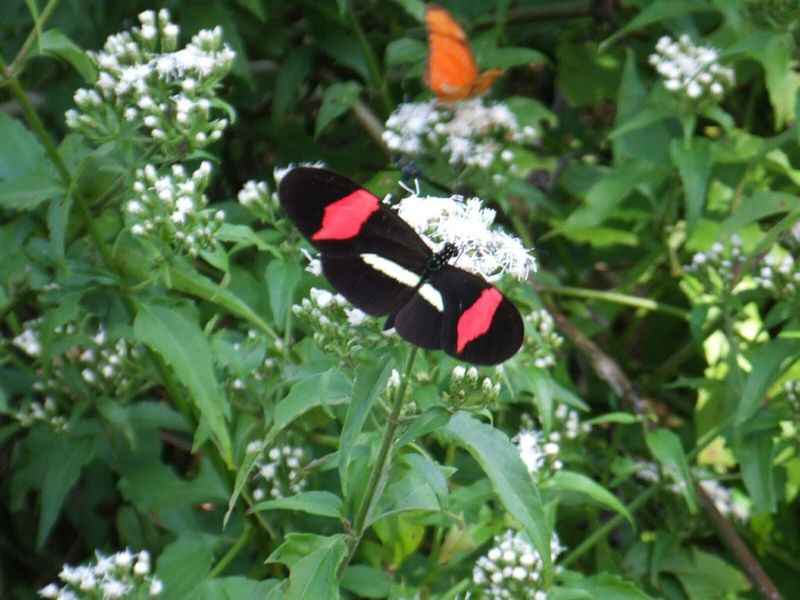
(452, 73)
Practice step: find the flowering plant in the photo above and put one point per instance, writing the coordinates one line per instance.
(190, 408)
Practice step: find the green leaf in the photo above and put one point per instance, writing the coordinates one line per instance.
(606, 195)
(500, 460)
(370, 383)
(366, 582)
(255, 7)
(766, 363)
(29, 190)
(659, 11)
(184, 347)
(704, 576)
(282, 279)
(415, 8)
(507, 57)
(598, 587)
(54, 43)
(409, 493)
(615, 417)
(324, 504)
(667, 449)
(694, 165)
(235, 588)
(640, 133)
(65, 458)
(337, 100)
(760, 204)
(405, 51)
(293, 73)
(315, 576)
(185, 564)
(20, 152)
(576, 482)
(323, 389)
(429, 421)
(756, 456)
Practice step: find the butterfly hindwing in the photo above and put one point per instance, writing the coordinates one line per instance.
(480, 325)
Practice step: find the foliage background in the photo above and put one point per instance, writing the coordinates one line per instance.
(686, 367)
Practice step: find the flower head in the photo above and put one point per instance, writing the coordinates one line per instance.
(467, 224)
(691, 70)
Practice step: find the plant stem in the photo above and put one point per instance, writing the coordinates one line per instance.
(26, 46)
(601, 532)
(382, 461)
(372, 63)
(240, 543)
(51, 150)
(616, 298)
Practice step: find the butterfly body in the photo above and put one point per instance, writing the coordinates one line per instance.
(452, 73)
(379, 263)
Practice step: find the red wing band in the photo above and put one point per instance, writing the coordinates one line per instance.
(343, 219)
(477, 319)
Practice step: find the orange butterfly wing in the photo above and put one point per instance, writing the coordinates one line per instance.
(452, 73)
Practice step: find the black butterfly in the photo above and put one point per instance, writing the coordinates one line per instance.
(379, 263)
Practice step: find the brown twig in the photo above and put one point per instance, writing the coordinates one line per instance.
(609, 371)
(757, 576)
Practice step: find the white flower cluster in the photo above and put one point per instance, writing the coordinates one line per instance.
(690, 70)
(467, 390)
(29, 340)
(251, 364)
(151, 86)
(546, 341)
(122, 575)
(32, 412)
(280, 475)
(779, 276)
(720, 265)
(569, 422)
(725, 501)
(792, 391)
(339, 327)
(468, 133)
(467, 225)
(254, 193)
(106, 366)
(539, 452)
(512, 569)
(172, 207)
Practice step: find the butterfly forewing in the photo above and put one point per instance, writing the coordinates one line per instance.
(452, 73)
(369, 254)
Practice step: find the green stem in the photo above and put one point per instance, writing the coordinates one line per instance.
(600, 533)
(382, 461)
(372, 64)
(51, 150)
(26, 46)
(223, 563)
(615, 297)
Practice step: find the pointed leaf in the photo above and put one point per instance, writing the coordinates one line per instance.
(512, 483)
(184, 347)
